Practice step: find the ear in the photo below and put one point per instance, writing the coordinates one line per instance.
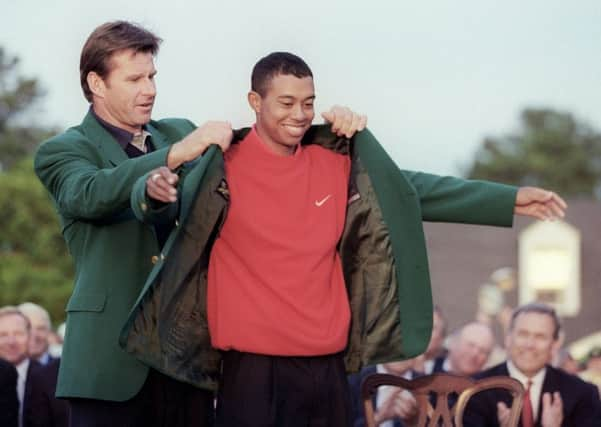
(254, 100)
(96, 84)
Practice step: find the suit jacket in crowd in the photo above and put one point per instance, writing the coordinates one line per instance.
(42, 408)
(9, 402)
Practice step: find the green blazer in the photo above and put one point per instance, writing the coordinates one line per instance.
(382, 249)
(90, 179)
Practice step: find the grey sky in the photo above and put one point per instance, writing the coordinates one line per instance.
(433, 76)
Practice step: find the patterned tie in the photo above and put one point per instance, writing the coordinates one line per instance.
(527, 414)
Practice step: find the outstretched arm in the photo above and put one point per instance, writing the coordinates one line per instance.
(539, 203)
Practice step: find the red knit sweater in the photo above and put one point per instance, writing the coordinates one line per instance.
(275, 278)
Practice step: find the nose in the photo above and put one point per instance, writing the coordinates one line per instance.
(149, 88)
(298, 113)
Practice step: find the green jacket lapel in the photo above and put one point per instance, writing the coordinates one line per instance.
(103, 140)
(158, 139)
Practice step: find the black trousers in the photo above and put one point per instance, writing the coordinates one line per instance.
(161, 402)
(276, 391)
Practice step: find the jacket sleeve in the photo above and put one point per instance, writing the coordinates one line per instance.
(70, 167)
(449, 199)
(148, 211)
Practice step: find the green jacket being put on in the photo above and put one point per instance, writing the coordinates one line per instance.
(382, 249)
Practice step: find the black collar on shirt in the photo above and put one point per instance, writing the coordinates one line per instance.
(122, 136)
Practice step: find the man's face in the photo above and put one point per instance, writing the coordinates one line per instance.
(126, 96)
(530, 342)
(40, 329)
(14, 338)
(285, 112)
(469, 351)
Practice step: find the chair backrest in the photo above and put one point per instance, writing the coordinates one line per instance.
(511, 384)
(441, 385)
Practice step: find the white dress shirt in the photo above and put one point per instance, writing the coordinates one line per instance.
(22, 369)
(536, 387)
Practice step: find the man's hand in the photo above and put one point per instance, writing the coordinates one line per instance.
(400, 404)
(539, 203)
(198, 141)
(503, 413)
(552, 415)
(160, 185)
(344, 121)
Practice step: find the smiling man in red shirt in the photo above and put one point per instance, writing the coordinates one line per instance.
(277, 303)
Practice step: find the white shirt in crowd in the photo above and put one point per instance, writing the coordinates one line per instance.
(536, 387)
(22, 372)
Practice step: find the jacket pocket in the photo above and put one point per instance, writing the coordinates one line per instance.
(87, 301)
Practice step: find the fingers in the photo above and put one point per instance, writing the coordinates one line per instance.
(503, 413)
(540, 204)
(406, 405)
(160, 185)
(344, 121)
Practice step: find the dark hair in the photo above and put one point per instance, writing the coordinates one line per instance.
(108, 39)
(274, 64)
(537, 307)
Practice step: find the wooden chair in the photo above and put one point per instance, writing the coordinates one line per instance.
(515, 388)
(443, 389)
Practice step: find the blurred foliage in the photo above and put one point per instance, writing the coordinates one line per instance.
(18, 96)
(34, 264)
(552, 149)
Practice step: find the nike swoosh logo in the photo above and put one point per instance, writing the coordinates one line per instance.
(318, 203)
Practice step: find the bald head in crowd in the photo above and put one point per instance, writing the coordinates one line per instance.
(469, 348)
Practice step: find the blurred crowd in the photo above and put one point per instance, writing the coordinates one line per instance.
(532, 346)
(29, 361)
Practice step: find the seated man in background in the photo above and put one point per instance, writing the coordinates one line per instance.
(469, 349)
(393, 406)
(553, 398)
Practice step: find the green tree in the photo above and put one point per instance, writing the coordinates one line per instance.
(18, 95)
(552, 149)
(34, 264)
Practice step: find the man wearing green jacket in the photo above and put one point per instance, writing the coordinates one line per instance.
(89, 171)
(297, 254)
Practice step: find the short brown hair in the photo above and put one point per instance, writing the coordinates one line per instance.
(110, 38)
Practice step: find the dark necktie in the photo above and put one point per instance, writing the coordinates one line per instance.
(527, 413)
